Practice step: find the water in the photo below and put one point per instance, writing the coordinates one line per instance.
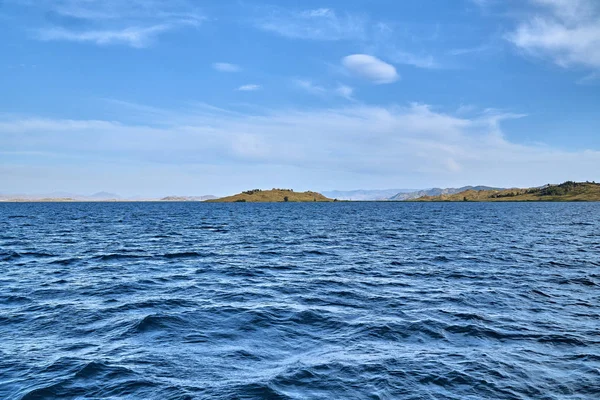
(300, 301)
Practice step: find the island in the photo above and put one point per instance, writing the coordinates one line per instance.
(273, 196)
(567, 191)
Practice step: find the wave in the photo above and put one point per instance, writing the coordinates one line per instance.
(119, 257)
(14, 299)
(16, 255)
(96, 369)
(96, 379)
(66, 261)
(378, 301)
(255, 390)
(184, 254)
(156, 322)
(154, 304)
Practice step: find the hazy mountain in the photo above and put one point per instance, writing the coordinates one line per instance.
(364, 195)
(437, 192)
(188, 198)
(103, 196)
(99, 196)
(38, 196)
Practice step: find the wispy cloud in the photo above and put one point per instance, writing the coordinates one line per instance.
(567, 32)
(251, 87)
(483, 3)
(370, 68)
(226, 67)
(590, 79)
(345, 91)
(315, 24)
(135, 23)
(134, 36)
(416, 60)
(311, 87)
(325, 24)
(357, 144)
(470, 50)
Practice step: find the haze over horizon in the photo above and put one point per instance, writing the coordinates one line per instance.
(181, 97)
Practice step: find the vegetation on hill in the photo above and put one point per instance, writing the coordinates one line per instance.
(438, 192)
(567, 191)
(273, 196)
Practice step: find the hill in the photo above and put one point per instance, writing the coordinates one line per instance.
(567, 191)
(438, 192)
(272, 196)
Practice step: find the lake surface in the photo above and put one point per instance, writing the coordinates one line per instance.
(300, 301)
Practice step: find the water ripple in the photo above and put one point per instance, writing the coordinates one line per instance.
(299, 301)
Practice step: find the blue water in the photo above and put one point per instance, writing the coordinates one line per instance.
(300, 301)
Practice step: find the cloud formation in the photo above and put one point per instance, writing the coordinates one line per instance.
(370, 68)
(325, 24)
(345, 91)
(315, 24)
(226, 67)
(356, 146)
(567, 32)
(134, 36)
(419, 61)
(249, 88)
(340, 90)
(135, 23)
(310, 87)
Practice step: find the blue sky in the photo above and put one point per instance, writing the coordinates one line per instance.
(153, 97)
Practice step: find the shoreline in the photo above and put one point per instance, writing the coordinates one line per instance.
(275, 202)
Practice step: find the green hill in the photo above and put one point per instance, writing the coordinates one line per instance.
(567, 191)
(272, 196)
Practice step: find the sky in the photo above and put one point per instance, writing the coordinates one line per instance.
(190, 97)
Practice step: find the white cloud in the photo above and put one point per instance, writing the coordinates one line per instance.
(412, 146)
(310, 87)
(135, 23)
(370, 68)
(483, 3)
(470, 50)
(567, 32)
(419, 61)
(327, 25)
(135, 36)
(590, 79)
(340, 90)
(316, 24)
(249, 87)
(226, 67)
(119, 10)
(345, 91)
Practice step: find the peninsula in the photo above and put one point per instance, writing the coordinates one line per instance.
(272, 196)
(567, 191)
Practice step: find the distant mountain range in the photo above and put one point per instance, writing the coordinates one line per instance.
(100, 196)
(397, 194)
(365, 195)
(350, 195)
(568, 191)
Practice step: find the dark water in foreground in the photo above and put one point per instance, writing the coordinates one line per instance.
(300, 301)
